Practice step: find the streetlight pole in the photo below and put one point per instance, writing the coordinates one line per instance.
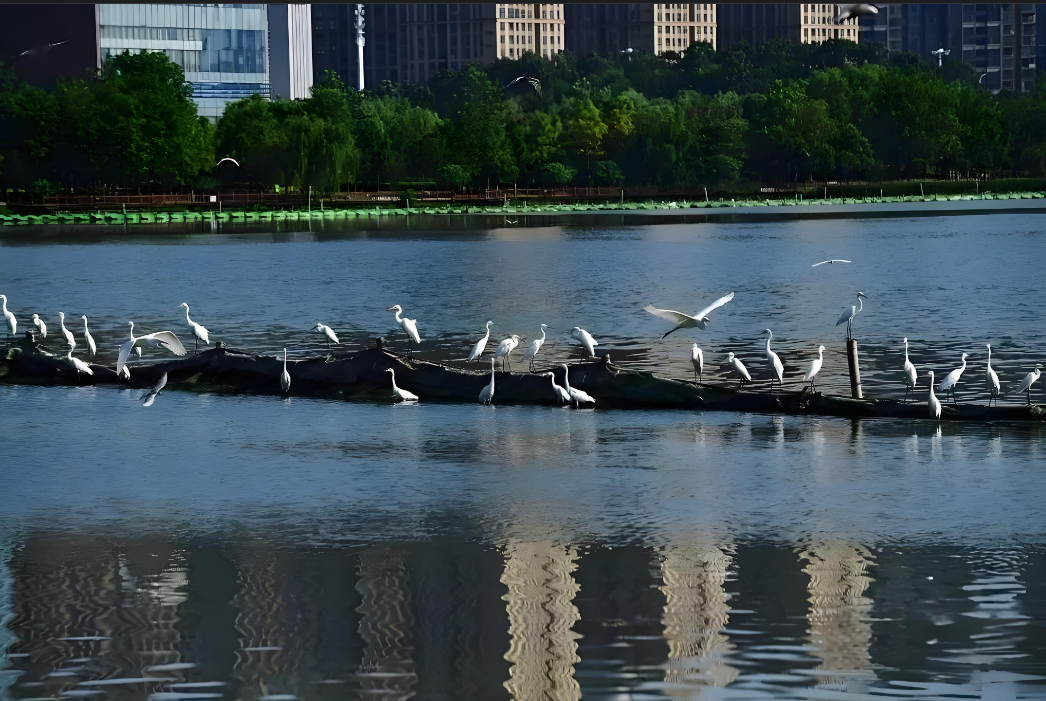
(940, 54)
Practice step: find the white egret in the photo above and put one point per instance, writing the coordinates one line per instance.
(410, 326)
(40, 325)
(774, 361)
(685, 321)
(149, 397)
(505, 349)
(932, 401)
(577, 396)
(401, 394)
(952, 379)
(230, 160)
(66, 332)
(534, 347)
(815, 367)
(1030, 379)
(328, 333)
(90, 339)
(12, 323)
(123, 373)
(830, 262)
(738, 367)
(136, 352)
(849, 314)
(197, 329)
(990, 376)
(698, 360)
(911, 377)
(481, 345)
(160, 339)
(486, 395)
(79, 365)
(285, 377)
(585, 339)
(562, 396)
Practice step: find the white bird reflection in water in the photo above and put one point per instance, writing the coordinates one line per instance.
(386, 624)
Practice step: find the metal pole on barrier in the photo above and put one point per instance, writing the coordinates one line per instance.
(855, 368)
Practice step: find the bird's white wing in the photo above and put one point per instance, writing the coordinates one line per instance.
(847, 313)
(821, 263)
(714, 305)
(1025, 383)
(671, 315)
(168, 340)
(125, 351)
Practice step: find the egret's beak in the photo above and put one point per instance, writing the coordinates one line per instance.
(391, 309)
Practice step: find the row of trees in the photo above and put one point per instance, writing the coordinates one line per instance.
(784, 112)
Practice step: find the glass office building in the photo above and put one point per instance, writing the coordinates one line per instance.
(223, 49)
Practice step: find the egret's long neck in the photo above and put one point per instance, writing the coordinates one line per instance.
(768, 343)
(284, 359)
(820, 353)
(860, 303)
(542, 335)
(566, 378)
(399, 319)
(906, 350)
(989, 356)
(132, 330)
(964, 363)
(931, 386)
(187, 315)
(85, 326)
(4, 300)
(392, 373)
(487, 337)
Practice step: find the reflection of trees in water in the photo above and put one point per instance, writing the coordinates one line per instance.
(385, 624)
(839, 626)
(694, 617)
(541, 614)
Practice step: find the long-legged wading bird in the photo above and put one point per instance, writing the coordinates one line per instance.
(534, 347)
(66, 332)
(486, 395)
(849, 313)
(992, 379)
(40, 325)
(562, 396)
(409, 326)
(149, 397)
(911, 377)
(815, 367)
(481, 345)
(160, 339)
(505, 349)
(79, 365)
(932, 401)
(89, 338)
(697, 358)
(735, 363)
(397, 393)
(328, 333)
(685, 321)
(952, 379)
(9, 316)
(197, 329)
(585, 338)
(285, 377)
(1030, 379)
(774, 361)
(577, 396)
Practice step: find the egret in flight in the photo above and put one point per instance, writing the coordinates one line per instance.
(9, 316)
(911, 377)
(562, 396)
(849, 314)
(197, 329)
(698, 360)
(481, 345)
(81, 366)
(66, 332)
(230, 160)
(285, 377)
(400, 394)
(328, 333)
(952, 379)
(410, 326)
(830, 262)
(577, 396)
(1030, 379)
(990, 376)
(90, 339)
(932, 401)
(685, 321)
(505, 349)
(149, 397)
(585, 338)
(774, 361)
(160, 339)
(534, 347)
(40, 325)
(815, 367)
(738, 367)
(486, 395)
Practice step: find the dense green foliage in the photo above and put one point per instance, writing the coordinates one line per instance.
(783, 113)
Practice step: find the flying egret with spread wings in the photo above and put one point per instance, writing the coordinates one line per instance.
(160, 339)
(830, 262)
(685, 321)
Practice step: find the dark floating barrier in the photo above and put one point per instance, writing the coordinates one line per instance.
(362, 376)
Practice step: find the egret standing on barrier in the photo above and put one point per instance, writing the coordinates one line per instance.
(486, 395)
(911, 377)
(697, 358)
(328, 333)
(397, 393)
(9, 316)
(849, 314)
(585, 339)
(89, 338)
(990, 376)
(160, 339)
(685, 321)
(81, 366)
(285, 377)
(410, 326)
(1030, 379)
(535, 346)
(197, 330)
(815, 367)
(739, 368)
(481, 345)
(66, 332)
(578, 396)
(40, 325)
(952, 379)
(774, 361)
(932, 401)
(505, 349)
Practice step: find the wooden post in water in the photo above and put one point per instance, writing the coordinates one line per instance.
(855, 368)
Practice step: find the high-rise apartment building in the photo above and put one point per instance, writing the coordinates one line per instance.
(758, 23)
(543, 36)
(290, 50)
(918, 28)
(658, 28)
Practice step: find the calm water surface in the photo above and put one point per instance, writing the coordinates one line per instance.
(258, 548)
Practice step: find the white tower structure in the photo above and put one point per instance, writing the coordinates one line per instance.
(360, 41)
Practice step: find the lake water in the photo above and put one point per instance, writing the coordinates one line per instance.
(261, 548)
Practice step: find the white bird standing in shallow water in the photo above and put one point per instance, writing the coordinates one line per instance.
(81, 366)
(738, 367)
(698, 360)
(481, 345)
(328, 333)
(505, 349)
(990, 376)
(9, 316)
(285, 377)
(486, 395)
(685, 321)
(534, 347)
(149, 397)
(401, 394)
(160, 339)
(774, 361)
(410, 326)
(849, 314)
(585, 339)
(197, 329)
(815, 367)
(90, 339)
(932, 401)
(577, 396)
(911, 377)
(952, 379)
(1030, 379)
(40, 325)
(562, 396)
